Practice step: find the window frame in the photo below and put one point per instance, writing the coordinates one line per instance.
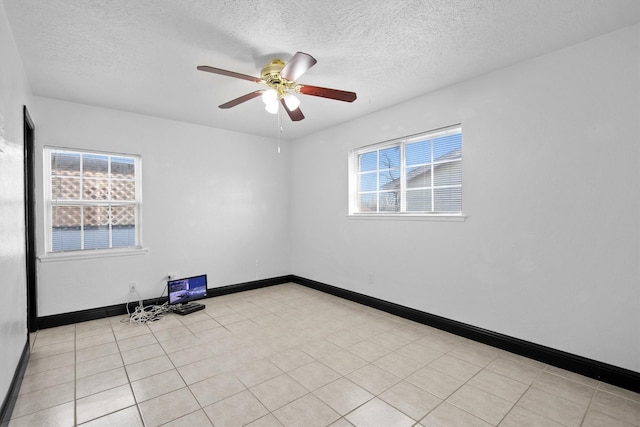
(402, 213)
(50, 202)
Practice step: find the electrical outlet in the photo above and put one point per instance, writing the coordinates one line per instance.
(132, 286)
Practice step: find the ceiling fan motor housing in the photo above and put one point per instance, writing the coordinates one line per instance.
(270, 73)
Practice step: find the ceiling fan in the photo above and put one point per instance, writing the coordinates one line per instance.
(281, 78)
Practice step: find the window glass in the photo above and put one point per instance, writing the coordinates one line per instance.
(421, 174)
(93, 200)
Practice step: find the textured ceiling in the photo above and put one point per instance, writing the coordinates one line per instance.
(141, 56)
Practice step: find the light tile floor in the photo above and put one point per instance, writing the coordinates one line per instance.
(287, 355)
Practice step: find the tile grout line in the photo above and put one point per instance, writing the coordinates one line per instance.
(187, 386)
(593, 395)
(531, 386)
(516, 404)
(523, 394)
(124, 367)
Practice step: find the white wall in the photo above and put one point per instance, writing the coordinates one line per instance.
(214, 202)
(14, 93)
(550, 252)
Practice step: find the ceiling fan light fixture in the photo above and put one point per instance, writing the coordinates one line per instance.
(272, 107)
(291, 101)
(280, 78)
(270, 96)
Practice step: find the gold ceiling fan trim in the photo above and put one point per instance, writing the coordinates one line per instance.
(271, 75)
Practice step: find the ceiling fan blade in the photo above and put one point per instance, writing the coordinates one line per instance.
(241, 99)
(340, 95)
(228, 73)
(297, 66)
(295, 115)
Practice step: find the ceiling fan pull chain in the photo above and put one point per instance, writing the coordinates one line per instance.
(279, 129)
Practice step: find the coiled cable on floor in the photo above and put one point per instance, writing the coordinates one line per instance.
(146, 314)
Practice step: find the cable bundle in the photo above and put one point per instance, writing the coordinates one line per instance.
(146, 314)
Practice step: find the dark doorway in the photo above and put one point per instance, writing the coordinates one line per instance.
(30, 223)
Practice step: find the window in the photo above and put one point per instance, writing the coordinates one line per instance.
(416, 175)
(92, 200)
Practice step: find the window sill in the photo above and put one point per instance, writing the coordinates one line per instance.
(91, 254)
(409, 217)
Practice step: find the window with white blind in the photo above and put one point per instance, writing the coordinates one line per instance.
(416, 175)
(92, 200)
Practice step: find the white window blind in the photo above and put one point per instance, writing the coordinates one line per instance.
(421, 174)
(92, 199)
